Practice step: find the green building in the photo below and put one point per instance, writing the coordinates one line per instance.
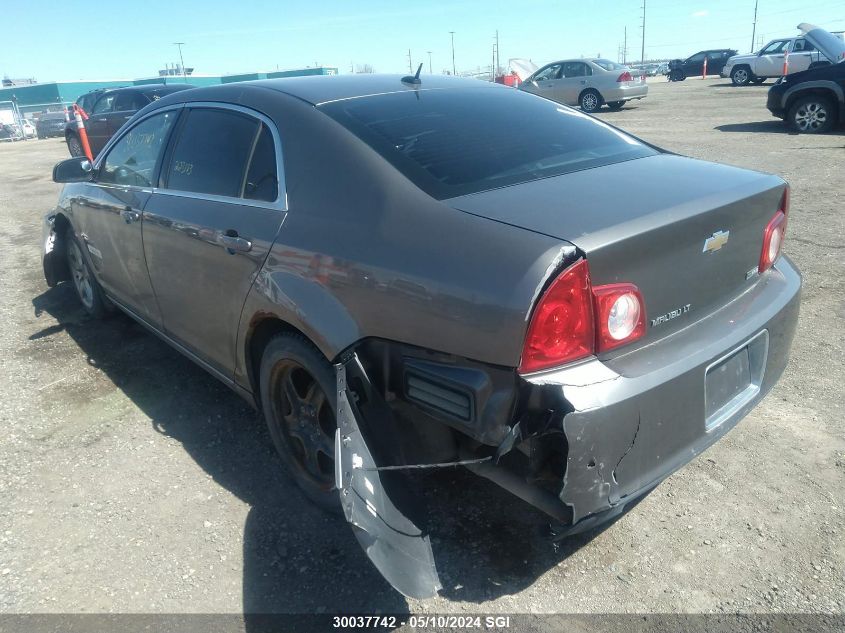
(57, 95)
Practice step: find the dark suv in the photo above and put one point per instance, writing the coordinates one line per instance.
(680, 69)
(813, 101)
(109, 109)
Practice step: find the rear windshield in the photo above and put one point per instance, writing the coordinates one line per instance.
(608, 65)
(450, 143)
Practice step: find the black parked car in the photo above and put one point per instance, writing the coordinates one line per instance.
(693, 66)
(109, 109)
(813, 101)
(51, 124)
(358, 259)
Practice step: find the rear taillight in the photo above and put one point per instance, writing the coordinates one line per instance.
(626, 76)
(774, 234)
(620, 315)
(573, 320)
(561, 328)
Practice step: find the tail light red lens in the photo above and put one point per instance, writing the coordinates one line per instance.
(620, 315)
(626, 76)
(774, 234)
(561, 328)
(573, 320)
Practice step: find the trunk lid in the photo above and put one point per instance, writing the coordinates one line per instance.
(645, 221)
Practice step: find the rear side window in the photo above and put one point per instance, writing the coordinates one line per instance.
(129, 101)
(212, 152)
(261, 181)
(454, 142)
(132, 160)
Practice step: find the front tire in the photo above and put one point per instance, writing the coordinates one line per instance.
(590, 101)
(812, 114)
(741, 76)
(74, 145)
(298, 398)
(88, 289)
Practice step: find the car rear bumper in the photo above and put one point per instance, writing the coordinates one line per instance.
(631, 421)
(625, 92)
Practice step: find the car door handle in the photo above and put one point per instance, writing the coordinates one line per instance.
(233, 243)
(101, 120)
(129, 215)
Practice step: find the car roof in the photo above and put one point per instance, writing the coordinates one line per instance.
(319, 89)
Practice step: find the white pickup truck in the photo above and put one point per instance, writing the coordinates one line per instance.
(768, 62)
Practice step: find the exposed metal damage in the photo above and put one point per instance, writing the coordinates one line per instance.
(395, 545)
(582, 444)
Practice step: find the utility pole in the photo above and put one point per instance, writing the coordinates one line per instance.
(625, 48)
(410, 67)
(452, 33)
(754, 28)
(642, 51)
(497, 52)
(182, 61)
(429, 63)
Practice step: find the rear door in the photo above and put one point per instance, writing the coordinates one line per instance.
(209, 228)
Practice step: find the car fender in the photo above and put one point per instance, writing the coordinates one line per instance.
(823, 84)
(299, 303)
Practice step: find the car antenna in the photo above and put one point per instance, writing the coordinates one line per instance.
(415, 80)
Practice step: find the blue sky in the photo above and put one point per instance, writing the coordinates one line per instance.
(126, 40)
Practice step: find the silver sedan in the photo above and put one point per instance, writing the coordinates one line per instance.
(588, 83)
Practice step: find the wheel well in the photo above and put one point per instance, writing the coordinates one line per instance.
(259, 335)
(823, 92)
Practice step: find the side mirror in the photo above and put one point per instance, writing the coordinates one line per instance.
(77, 169)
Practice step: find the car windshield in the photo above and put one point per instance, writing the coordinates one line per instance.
(608, 65)
(451, 143)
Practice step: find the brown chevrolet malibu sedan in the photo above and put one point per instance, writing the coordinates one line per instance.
(418, 274)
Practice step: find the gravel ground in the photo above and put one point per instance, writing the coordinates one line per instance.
(131, 481)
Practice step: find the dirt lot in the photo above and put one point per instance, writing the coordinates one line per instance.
(131, 481)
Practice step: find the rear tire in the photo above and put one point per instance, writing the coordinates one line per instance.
(298, 398)
(615, 105)
(74, 145)
(88, 289)
(590, 101)
(812, 114)
(741, 76)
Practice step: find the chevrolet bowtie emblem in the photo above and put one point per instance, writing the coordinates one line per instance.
(716, 241)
